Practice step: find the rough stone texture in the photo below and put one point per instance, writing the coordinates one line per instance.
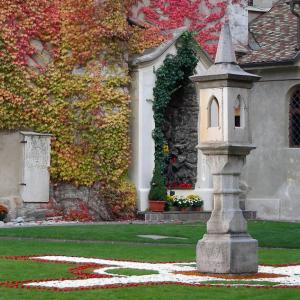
(227, 254)
(68, 196)
(244, 188)
(263, 3)
(35, 165)
(24, 158)
(186, 217)
(32, 211)
(181, 132)
(226, 248)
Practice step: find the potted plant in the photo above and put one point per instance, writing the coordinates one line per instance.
(3, 212)
(182, 203)
(170, 206)
(195, 202)
(158, 192)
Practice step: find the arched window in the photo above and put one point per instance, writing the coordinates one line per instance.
(239, 108)
(294, 119)
(214, 113)
(237, 112)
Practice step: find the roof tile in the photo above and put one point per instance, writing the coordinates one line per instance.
(276, 34)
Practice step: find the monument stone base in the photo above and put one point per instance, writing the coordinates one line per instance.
(234, 253)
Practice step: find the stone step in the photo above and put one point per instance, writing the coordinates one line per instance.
(187, 217)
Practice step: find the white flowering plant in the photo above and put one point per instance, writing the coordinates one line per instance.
(195, 201)
(181, 201)
(187, 201)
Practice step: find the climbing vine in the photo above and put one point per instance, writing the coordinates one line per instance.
(173, 74)
(204, 17)
(63, 70)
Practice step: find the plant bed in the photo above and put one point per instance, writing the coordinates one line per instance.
(16, 271)
(184, 203)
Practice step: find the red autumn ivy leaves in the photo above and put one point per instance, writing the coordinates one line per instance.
(202, 16)
(21, 21)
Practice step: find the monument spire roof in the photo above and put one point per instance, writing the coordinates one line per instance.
(225, 52)
(225, 66)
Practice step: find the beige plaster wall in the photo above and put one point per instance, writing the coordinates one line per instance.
(10, 171)
(273, 169)
(10, 158)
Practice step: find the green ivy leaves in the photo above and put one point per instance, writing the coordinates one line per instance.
(174, 72)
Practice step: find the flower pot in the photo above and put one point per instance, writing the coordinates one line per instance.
(184, 209)
(198, 208)
(156, 206)
(174, 208)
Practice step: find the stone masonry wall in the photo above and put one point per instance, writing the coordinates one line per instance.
(180, 130)
(67, 196)
(64, 198)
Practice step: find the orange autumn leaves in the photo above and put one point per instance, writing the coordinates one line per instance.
(63, 70)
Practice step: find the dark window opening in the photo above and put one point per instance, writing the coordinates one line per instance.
(294, 120)
(237, 121)
(237, 112)
(250, 2)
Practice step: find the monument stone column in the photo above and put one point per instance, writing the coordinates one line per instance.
(225, 140)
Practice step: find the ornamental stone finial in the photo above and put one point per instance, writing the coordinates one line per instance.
(225, 52)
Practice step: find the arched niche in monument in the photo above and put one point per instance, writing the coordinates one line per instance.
(213, 111)
(239, 112)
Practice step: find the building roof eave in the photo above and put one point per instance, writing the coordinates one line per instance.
(158, 51)
(155, 53)
(258, 65)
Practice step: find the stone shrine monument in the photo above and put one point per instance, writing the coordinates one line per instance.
(225, 140)
(24, 173)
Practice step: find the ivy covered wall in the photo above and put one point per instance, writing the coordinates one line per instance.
(204, 17)
(171, 76)
(63, 70)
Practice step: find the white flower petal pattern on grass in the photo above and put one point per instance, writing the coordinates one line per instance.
(290, 274)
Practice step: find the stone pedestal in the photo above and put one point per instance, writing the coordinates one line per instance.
(227, 254)
(226, 248)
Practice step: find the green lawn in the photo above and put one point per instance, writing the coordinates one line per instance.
(269, 234)
(162, 292)
(10, 270)
(148, 253)
(272, 234)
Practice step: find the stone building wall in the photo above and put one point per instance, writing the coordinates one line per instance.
(64, 197)
(236, 12)
(180, 130)
(272, 171)
(263, 3)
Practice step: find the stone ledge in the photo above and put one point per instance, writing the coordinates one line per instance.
(187, 217)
